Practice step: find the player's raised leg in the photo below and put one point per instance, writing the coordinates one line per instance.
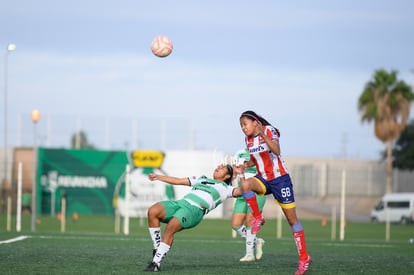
(250, 187)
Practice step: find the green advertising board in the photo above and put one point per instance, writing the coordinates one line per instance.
(86, 177)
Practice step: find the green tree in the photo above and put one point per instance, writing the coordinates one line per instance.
(403, 152)
(79, 140)
(386, 101)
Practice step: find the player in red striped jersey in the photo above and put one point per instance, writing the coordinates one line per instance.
(262, 141)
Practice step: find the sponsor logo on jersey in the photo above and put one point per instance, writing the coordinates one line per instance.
(259, 148)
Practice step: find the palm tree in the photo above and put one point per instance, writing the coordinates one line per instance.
(386, 101)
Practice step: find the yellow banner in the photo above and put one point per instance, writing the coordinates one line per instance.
(148, 159)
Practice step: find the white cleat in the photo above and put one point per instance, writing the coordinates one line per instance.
(259, 248)
(248, 258)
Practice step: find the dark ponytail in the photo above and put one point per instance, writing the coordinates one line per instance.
(230, 172)
(253, 116)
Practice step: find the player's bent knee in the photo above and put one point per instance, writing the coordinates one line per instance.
(154, 210)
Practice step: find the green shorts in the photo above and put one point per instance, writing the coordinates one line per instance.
(241, 207)
(188, 215)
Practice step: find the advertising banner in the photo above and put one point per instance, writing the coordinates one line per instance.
(86, 177)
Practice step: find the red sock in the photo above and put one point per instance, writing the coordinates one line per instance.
(301, 244)
(254, 208)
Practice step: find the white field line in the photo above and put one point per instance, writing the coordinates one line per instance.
(110, 238)
(91, 238)
(120, 238)
(20, 238)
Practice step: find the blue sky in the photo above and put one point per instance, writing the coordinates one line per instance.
(300, 64)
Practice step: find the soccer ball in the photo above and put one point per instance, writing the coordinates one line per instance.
(161, 46)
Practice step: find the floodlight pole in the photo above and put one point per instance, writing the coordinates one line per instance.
(10, 48)
(35, 116)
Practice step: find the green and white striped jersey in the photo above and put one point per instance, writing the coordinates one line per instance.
(207, 193)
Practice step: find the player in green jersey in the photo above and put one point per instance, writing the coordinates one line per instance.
(242, 217)
(206, 194)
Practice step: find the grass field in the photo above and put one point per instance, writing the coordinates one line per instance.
(90, 246)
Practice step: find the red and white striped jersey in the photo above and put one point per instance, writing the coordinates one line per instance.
(268, 164)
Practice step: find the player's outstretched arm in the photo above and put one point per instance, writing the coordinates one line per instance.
(169, 179)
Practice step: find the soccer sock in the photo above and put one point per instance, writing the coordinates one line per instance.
(250, 198)
(250, 241)
(241, 230)
(155, 233)
(299, 237)
(162, 250)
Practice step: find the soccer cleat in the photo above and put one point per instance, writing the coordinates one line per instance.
(303, 266)
(247, 258)
(259, 248)
(153, 254)
(153, 267)
(257, 223)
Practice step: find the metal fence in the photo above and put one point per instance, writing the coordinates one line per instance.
(321, 178)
